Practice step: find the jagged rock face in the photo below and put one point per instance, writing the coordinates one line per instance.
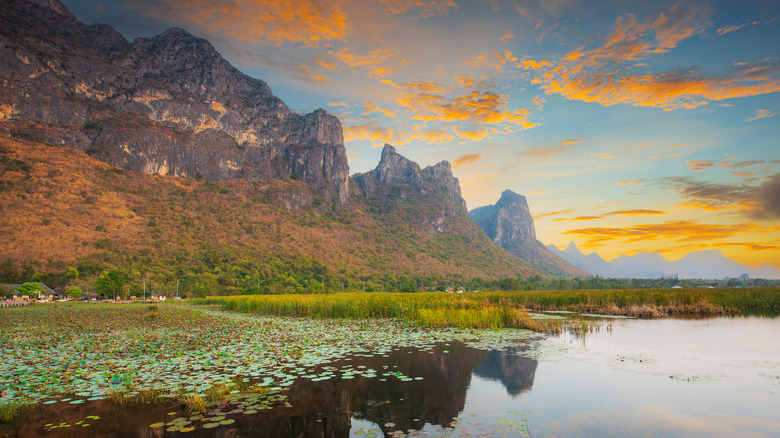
(169, 104)
(510, 225)
(396, 169)
(399, 177)
(508, 222)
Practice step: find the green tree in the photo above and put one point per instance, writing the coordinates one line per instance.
(32, 290)
(110, 284)
(73, 292)
(71, 274)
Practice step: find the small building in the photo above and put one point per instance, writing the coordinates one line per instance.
(47, 293)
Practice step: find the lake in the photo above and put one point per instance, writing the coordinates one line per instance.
(649, 378)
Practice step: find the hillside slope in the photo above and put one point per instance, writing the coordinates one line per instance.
(61, 208)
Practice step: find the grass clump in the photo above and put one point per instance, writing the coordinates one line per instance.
(10, 409)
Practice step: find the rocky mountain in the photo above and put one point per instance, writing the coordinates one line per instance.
(591, 263)
(169, 104)
(158, 158)
(509, 224)
(433, 189)
(708, 264)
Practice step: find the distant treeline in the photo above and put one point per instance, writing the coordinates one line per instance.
(298, 275)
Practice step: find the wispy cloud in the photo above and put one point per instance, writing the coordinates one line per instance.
(760, 114)
(728, 29)
(553, 213)
(579, 218)
(635, 212)
(508, 35)
(609, 75)
(419, 8)
(307, 22)
(465, 159)
(371, 108)
(699, 165)
(681, 231)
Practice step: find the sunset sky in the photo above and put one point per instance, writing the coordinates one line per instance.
(629, 125)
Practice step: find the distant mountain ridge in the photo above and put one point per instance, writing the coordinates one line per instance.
(509, 224)
(708, 264)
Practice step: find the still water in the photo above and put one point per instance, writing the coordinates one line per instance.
(666, 378)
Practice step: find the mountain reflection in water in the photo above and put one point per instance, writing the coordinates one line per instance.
(515, 372)
(323, 408)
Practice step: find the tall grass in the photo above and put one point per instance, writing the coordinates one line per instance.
(9, 409)
(507, 309)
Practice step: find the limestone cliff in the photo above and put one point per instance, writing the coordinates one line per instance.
(509, 224)
(397, 177)
(169, 104)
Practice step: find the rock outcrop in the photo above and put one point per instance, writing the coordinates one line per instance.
(510, 225)
(169, 104)
(397, 177)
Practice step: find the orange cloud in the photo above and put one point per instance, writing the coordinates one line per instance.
(605, 74)
(307, 22)
(339, 103)
(538, 192)
(371, 108)
(483, 107)
(636, 212)
(428, 86)
(760, 114)
(629, 183)
(530, 64)
(539, 101)
(724, 30)
(369, 131)
(552, 213)
(699, 165)
(465, 159)
(579, 218)
(681, 231)
(603, 156)
(508, 35)
(570, 142)
(375, 61)
(434, 136)
(475, 134)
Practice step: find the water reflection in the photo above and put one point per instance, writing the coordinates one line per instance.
(515, 372)
(324, 408)
(718, 377)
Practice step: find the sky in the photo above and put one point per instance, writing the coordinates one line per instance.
(629, 125)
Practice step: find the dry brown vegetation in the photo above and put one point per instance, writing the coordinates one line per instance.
(60, 207)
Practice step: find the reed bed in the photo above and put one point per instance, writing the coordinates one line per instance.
(507, 309)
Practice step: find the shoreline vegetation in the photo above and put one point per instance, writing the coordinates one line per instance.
(150, 326)
(526, 310)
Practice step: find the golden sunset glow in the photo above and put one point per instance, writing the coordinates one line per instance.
(608, 113)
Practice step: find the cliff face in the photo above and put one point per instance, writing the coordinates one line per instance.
(509, 224)
(169, 104)
(397, 177)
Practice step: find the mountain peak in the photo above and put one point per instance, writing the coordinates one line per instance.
(55, 5)
(572, 249)
(509, 224)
